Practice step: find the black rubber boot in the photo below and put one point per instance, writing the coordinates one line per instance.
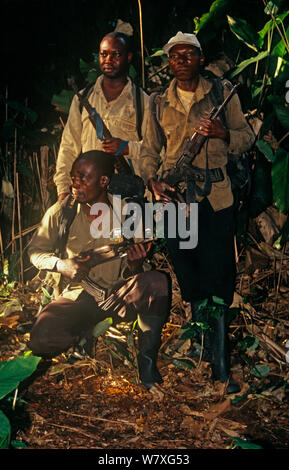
(149, 342)
(220, 360)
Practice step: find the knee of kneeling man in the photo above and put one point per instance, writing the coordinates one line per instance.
(38, 342)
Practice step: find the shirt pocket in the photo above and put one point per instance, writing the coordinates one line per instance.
(173, 133)
(125, 128)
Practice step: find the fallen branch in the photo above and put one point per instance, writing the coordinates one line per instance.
(256, 331)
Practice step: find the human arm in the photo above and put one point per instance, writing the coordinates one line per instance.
(236, 132)
(150, 160)
(70, 148)
(41, 249)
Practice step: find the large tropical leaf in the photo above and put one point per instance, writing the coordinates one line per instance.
(63, 101)
(5, 431)
(102, 327)
(248, 62)
(261, 192)
(266, 149)
(245, 32)
(282, 114)
(272, 24)
(272, 7)
(14, 371)
(280, 180)
(216, 11)
(280, 49)
(28, 112)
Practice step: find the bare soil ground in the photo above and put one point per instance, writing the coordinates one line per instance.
(97, 403)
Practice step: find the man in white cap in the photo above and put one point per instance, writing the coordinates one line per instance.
(207, 272)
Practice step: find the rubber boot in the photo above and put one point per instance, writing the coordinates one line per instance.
(149, 342)
(220, 360)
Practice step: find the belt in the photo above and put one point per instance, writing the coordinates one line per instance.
(199, 174)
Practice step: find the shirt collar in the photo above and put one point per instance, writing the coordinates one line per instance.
(203, 88)
(127, 91)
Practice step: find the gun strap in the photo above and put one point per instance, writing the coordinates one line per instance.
(68, 213)
(103, 132)
(139, 108)
(155, 111)
(217, 96)
(85, 94)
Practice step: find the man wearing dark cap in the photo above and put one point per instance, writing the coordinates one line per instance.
(119, 288)
(206, 273)
(121, 105)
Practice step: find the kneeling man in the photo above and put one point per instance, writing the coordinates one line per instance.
(122, 290)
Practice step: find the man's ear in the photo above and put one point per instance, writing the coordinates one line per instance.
(129, 57)
(103, 181)
(202, 60)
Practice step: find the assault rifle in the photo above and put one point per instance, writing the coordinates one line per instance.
(120, 162)
(182, 170)
(102, 255)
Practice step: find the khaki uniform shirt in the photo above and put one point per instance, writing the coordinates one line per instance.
(178, 125)
(42, 256)
(79, 134)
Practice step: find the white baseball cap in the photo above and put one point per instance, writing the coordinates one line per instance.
(182, 38)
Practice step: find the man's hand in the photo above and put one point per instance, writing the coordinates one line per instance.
(112, 145)
(213, 129)
(73, 269)
(136, 255)
(161, 190)
(62, 196)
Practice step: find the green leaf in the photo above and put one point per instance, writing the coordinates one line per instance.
(280, 48)
(120, 348)
(245, 444)
(273, 7)
(189, 333)
(284, 233)
(181, 363)
(260, 370)
(18, 444)
(102, 327)
(261, 193)
(28, 112)
(218, 300)
(63, 101)
(132, 72)
(215, 13)
(245, 32)
(248, 62)
(14, 371)
(47, 295)
(5, 431)
(130, 339)
(265, 148)
(249, 343)
(280, 180)
(282, 114)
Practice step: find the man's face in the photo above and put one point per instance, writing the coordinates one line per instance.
(87, 183)
(185, 61)
(114, 58)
